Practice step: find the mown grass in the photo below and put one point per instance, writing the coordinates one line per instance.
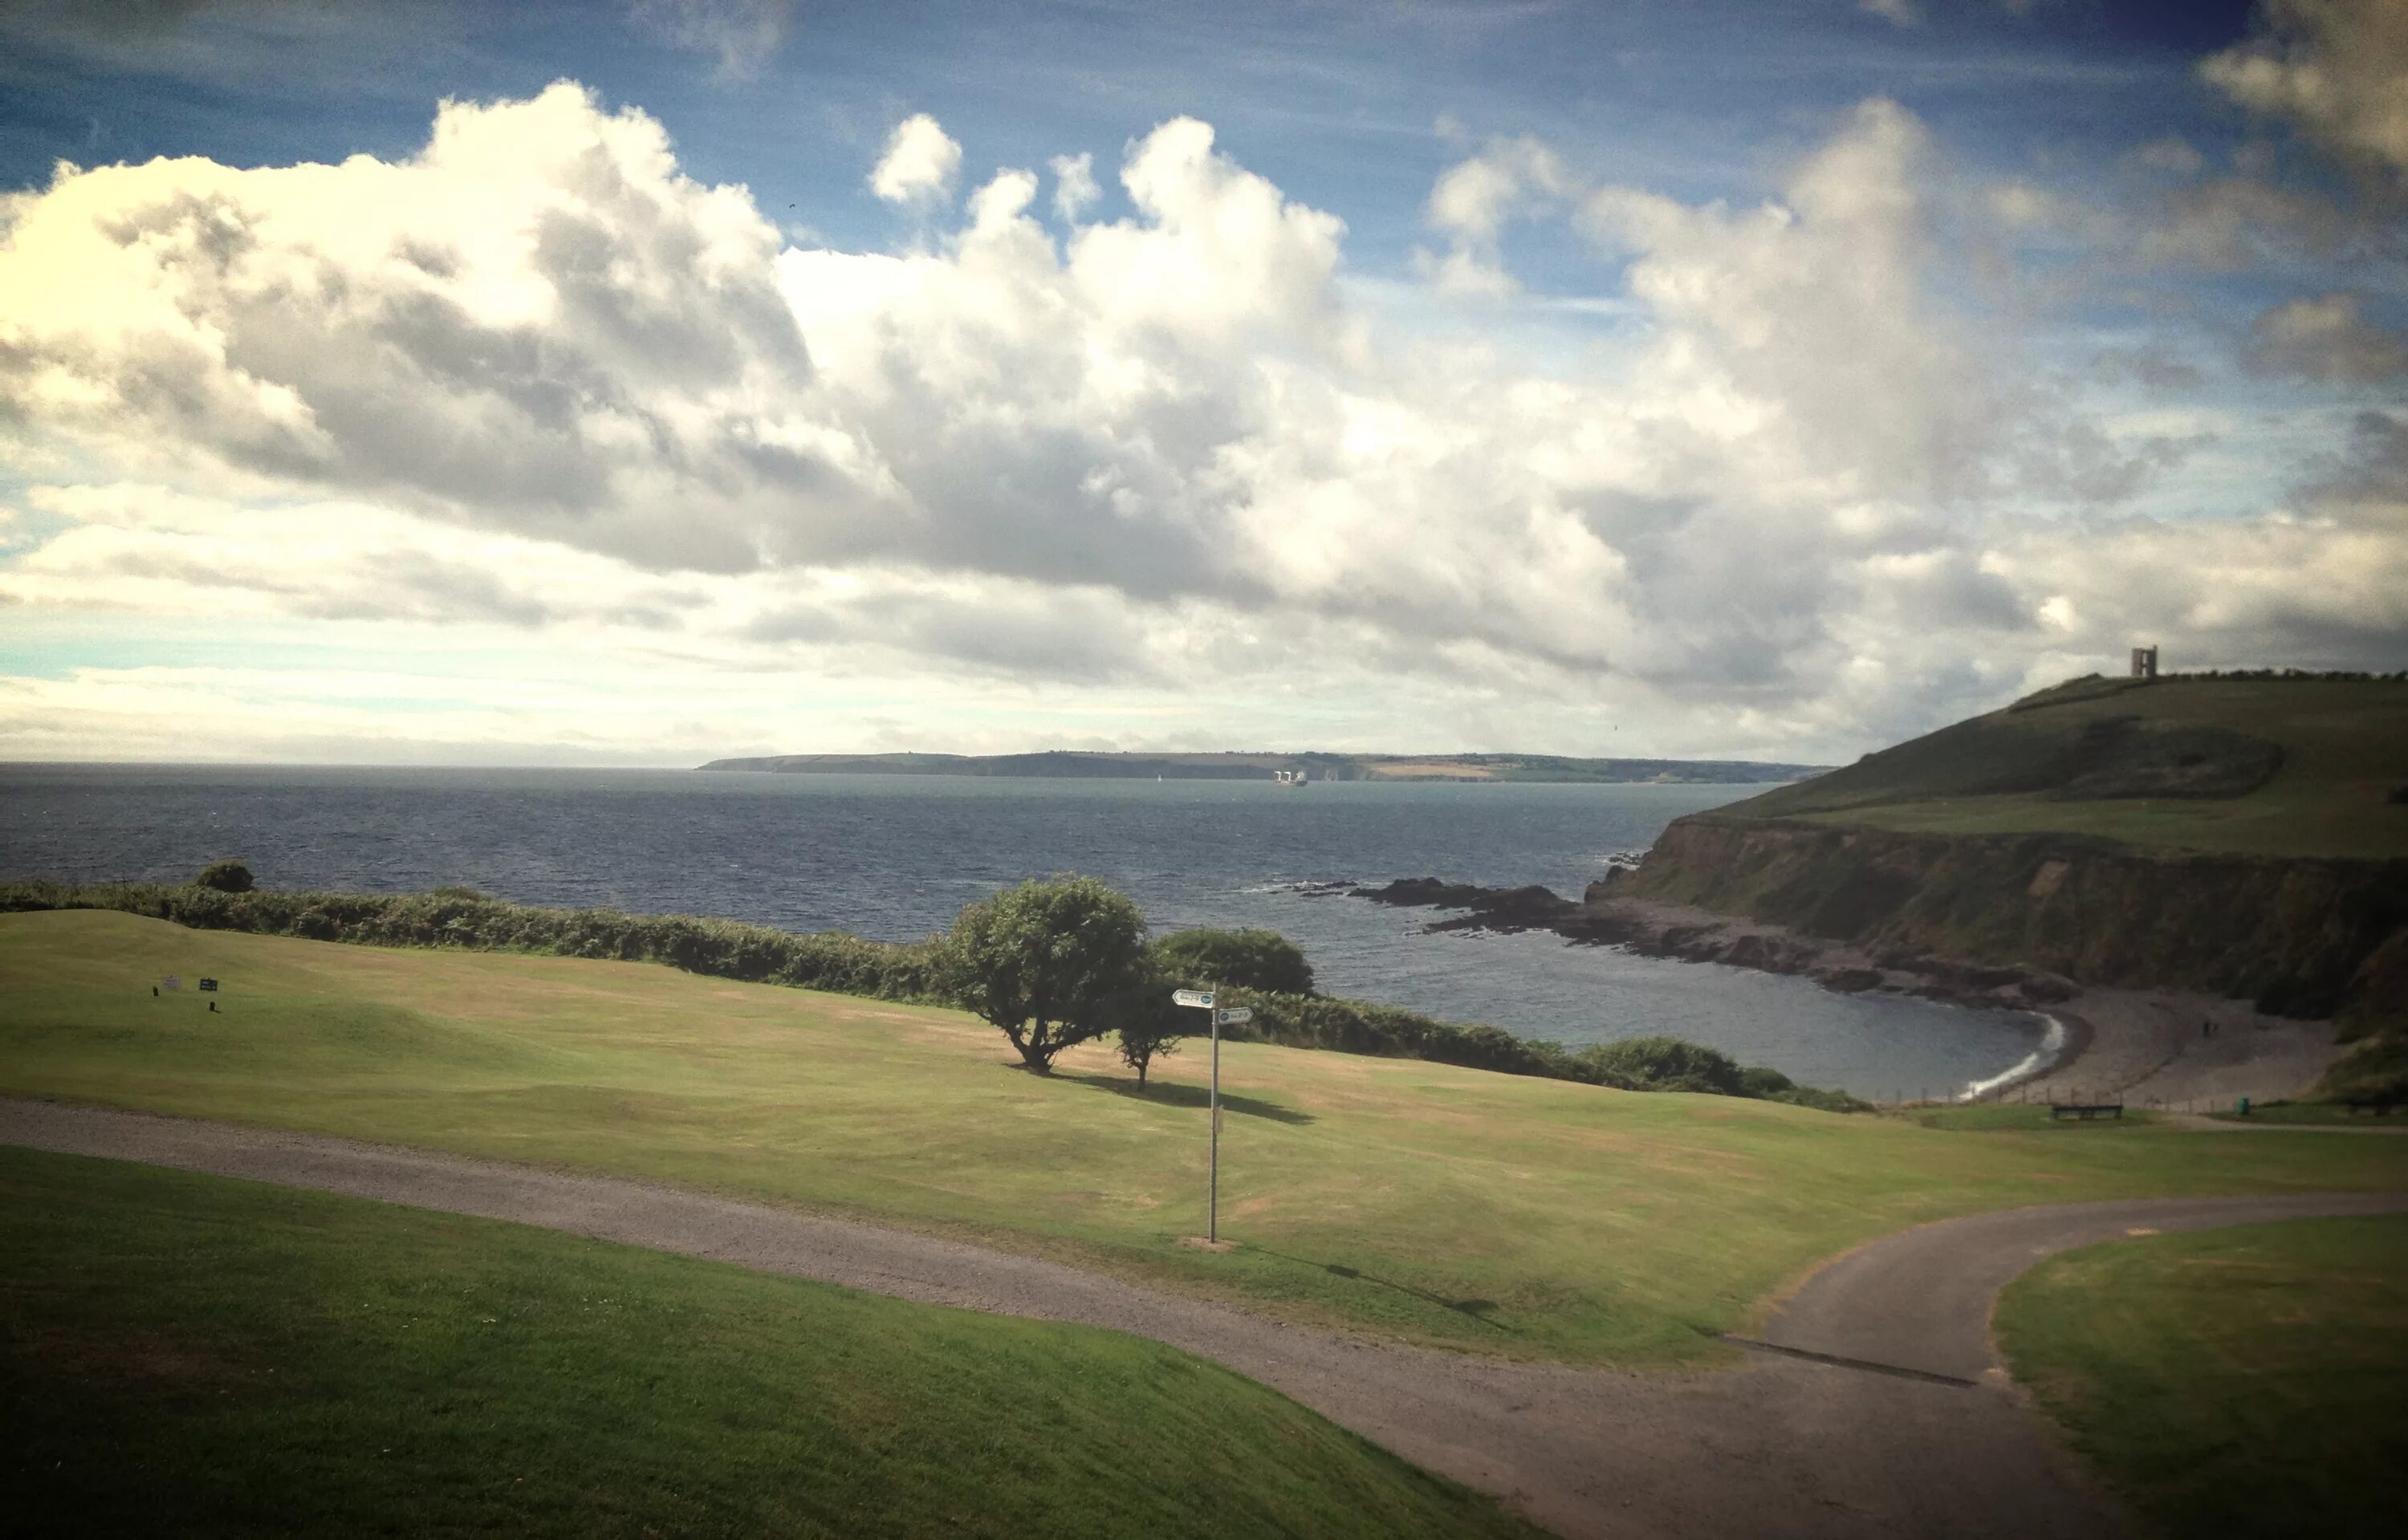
(190, 1355)
(1498, 1213)
(2231, 1382)
(2315, 1115)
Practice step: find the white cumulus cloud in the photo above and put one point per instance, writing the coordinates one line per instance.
(535, 381)
(921, 163)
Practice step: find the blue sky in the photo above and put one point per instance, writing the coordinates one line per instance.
(1653, 377)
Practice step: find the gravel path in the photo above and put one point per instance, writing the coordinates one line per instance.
(1789, 1444)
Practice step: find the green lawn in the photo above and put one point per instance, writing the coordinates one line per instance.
(2233, 1382)
(191, 1354)
(1502, 1213)
(2313, 1114)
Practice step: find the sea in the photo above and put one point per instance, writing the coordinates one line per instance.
(895, 858)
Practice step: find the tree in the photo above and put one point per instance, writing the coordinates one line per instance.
(1151, 1025)
(226, 876)
(1053, 963)
(1253, 959)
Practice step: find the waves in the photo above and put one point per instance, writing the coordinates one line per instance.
(2038, 1061)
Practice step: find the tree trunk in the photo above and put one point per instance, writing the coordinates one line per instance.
(1037, 1050)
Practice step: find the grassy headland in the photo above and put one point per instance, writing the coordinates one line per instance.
(2260, 766)
(2240, 836)
(2231, 1382)
(193, 1355)
(1504, 1213)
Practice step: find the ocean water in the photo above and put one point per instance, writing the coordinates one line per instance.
(894, 857)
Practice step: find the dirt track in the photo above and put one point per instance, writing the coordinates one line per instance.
(1900, 1444)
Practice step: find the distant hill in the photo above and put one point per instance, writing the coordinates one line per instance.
(1431, 767)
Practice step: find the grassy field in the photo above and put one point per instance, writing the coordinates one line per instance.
(2313, 1114)
(187, 1354)
(2231, 1382)
(2065, 767)
(1496, 1213)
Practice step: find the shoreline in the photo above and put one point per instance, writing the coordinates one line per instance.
(2068, 1038)
(2145, 1047)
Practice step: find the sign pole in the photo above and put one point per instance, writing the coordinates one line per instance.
(1212, 1187)
(1209, 1001)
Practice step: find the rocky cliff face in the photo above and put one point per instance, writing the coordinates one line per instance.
(2301, 938)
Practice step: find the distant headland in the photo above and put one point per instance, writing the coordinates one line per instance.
(1266, 766)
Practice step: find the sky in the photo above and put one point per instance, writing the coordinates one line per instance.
(648, 382)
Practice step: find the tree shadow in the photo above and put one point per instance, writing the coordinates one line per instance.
(1171, 1093)
(1478, 1309)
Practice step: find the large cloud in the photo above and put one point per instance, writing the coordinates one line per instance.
(2336, 69)
(535, 379)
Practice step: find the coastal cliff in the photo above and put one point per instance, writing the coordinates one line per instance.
(2233, 837)
(2299, 936)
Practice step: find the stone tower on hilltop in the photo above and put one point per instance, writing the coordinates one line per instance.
(2145, 663)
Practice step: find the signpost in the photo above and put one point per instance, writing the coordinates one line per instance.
(1230, 1016)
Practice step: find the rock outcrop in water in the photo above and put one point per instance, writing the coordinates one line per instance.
(1607, 915)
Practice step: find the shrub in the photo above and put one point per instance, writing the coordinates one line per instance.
(1668, 1064)
(1756, 1080)
(1253, 959)
(224, 876)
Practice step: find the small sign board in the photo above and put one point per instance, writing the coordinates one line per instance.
(208, 985)
(1200, 999)
(171, 982)
(1235, 1013)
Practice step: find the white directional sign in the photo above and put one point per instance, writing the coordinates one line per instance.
(1200, 999)
(1236, 1014)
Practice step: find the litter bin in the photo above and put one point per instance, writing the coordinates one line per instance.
(2244, 1107)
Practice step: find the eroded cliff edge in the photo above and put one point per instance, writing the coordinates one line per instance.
(2298, 936)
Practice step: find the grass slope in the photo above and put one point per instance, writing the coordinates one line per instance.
(1499, 1213)
(192, 1355)
(2273, 767)
(2231, 1382)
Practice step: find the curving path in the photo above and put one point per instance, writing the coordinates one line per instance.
(1916, 1434)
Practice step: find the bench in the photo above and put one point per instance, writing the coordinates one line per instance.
(2085, 1110)
(2379, 1107)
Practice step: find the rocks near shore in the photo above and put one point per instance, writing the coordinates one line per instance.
(1602, 917)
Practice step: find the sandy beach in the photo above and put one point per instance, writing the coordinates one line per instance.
(2147, 1047)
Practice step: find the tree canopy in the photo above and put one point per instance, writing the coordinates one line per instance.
(1253, 959)
(1052, 963)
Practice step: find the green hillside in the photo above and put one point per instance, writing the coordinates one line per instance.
(2265, 767)
(192, 1355)
(1498, 1213)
